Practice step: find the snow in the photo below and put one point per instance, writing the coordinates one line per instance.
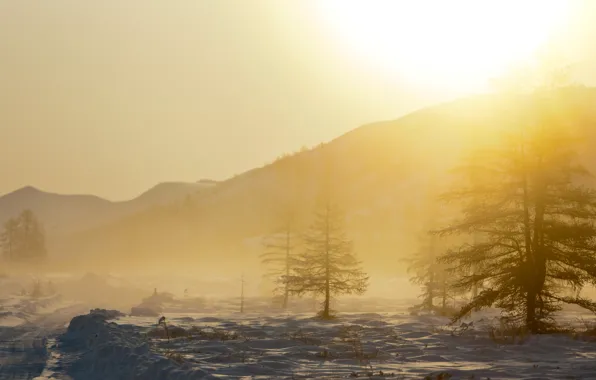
(265, 344)
(17, 310)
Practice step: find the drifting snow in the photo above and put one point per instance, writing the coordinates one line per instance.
(17, 310)
(377, 345)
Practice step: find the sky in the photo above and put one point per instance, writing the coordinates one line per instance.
(112, 97)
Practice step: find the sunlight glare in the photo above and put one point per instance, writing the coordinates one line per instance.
(452, 43)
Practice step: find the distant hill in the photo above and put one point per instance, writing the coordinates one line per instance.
(66, 214)
(383, 174)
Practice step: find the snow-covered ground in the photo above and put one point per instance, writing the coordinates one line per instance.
(386, 342)
(19, 310)
(27, 328)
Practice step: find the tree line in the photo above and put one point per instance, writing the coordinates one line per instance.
(523, 237)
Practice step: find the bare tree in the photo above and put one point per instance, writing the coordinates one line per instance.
(278, 255)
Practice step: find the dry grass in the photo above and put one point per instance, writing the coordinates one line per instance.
(508, 332)
(587, 331)
(439, 376)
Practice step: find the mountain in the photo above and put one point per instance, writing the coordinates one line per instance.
(66, 214)
(383, 174)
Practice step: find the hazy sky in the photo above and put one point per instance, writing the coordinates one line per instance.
(112, 97)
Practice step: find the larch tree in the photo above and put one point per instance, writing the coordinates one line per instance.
(526, 197)
(431, 275)
(278, 255)
(423, 269)
(327, 264)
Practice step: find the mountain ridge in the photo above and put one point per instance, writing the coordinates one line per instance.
(384, 174)
(67, 213)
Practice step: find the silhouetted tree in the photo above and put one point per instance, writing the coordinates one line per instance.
(278, 255)
(431, 275)
(524, 196)
(242, 293)
(327, 265)
(23, 238)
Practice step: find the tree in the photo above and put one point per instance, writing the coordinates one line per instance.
(525, 197)
(23, 238)
(9, 239)
(431, 275)
(278, 255)
(426, 272)
(327, 265)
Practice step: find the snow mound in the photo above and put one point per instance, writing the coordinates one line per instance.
(108, 314)
(112, 351)
(145, 311)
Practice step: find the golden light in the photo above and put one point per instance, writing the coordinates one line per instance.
(443, 42)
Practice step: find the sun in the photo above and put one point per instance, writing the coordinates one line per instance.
(442, 42)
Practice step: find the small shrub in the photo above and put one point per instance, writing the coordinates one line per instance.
(325, 354)
(588, 333)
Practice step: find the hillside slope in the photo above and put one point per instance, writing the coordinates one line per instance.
(383, 174)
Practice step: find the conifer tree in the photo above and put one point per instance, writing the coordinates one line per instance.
(327, 265)
(431, 275)
(525, 196)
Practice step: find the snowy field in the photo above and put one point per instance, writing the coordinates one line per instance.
(385, 342)
(209, 338)
(26, 327)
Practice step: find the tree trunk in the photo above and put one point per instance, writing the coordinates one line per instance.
(326, 313)
(430, 288)
(444, 297)
(538, 270)
(530, 259)
(531, 311)
(287, 290)
(242, 296)
(474, 272)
